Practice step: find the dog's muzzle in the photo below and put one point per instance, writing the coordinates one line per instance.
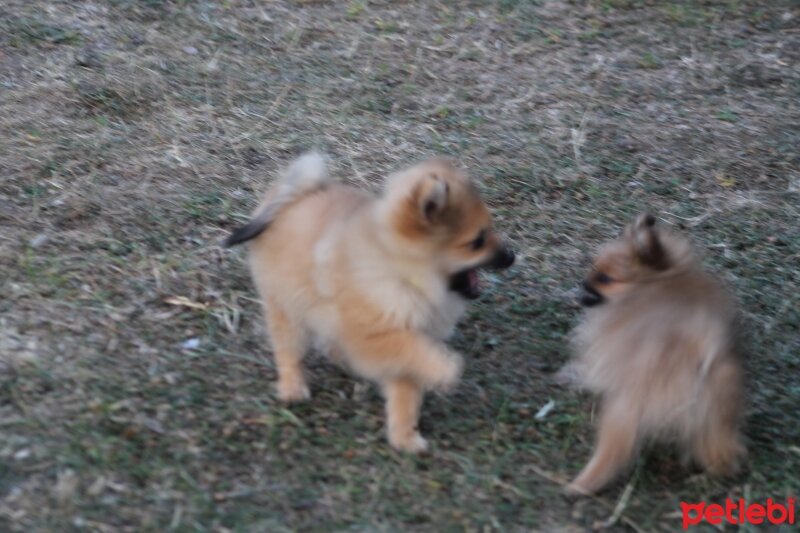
(503, 258)
(590, 297)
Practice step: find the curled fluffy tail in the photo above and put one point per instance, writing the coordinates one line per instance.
(304, 175)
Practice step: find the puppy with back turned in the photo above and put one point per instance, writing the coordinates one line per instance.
(378, 282)
(657, 345)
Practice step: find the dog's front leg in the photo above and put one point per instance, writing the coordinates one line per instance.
(405, 363)
(395, 354)
(403, 403)
(617, 441)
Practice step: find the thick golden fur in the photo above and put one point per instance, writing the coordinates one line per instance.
(657, 347)
(366, 278)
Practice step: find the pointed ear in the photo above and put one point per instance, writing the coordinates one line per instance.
(644, 236)
(431, 197)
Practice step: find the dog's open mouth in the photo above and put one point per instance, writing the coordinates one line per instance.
(467, 283)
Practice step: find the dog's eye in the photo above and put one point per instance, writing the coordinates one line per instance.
(602, 278)
(479, 241)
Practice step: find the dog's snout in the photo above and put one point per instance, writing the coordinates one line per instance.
(503, 258)
(590, 297)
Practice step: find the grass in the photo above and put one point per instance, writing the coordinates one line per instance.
(135, 134)
(31, 31)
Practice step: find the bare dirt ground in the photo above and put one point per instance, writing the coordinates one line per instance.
(135, 134)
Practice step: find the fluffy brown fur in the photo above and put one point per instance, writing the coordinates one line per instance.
(377, 282)
(657, 346)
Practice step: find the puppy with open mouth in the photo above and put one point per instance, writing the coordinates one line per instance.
(378, 281)
(658, 346)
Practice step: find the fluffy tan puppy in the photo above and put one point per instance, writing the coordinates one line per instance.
(657, 346)
(377, 281)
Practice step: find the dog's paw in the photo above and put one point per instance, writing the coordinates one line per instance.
(411, 443)
(722, 455)
(574, 490)
(569, 376)
(293, 390)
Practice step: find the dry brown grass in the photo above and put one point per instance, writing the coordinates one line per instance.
(133, 134)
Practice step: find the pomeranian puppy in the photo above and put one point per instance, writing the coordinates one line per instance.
(378, 282)
(657, 346)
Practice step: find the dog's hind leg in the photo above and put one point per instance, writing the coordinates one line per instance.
(289, 343)
(403, 403)
(617, 439)
(716, 443)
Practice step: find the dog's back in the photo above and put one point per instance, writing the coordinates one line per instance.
(294, 261)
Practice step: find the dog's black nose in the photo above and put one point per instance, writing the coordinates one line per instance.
(503, 258)
(590, 297)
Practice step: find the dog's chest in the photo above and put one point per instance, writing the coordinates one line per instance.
(407, 298)
(419, 305)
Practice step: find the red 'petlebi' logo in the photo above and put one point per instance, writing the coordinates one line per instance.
(739, 512)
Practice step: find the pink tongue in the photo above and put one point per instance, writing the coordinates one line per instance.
(474, 282)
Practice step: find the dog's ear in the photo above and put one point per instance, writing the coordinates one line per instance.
(644, 237)
(431, 196)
